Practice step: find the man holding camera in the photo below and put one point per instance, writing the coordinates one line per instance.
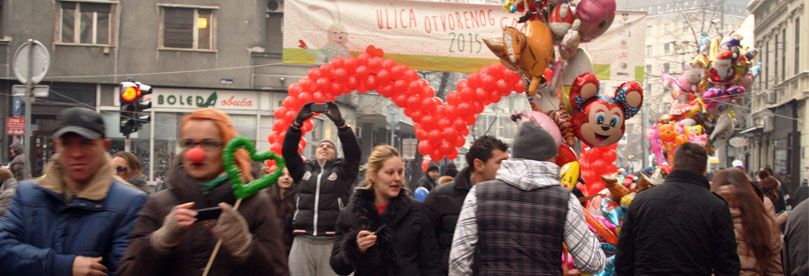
(324, 187)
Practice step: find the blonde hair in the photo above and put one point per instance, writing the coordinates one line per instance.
(376, 160)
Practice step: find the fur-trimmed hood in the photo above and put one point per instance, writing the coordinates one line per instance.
(96, 189)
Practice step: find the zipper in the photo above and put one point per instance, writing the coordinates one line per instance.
(317, 201)
(297, 208)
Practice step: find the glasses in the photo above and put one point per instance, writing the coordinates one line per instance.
(121, 170)
(207, 145)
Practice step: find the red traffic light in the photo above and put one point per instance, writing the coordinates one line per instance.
(130, 93)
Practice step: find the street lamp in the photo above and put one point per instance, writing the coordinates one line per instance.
(393, 122)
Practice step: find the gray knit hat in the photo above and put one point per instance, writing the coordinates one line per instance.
(533, 143)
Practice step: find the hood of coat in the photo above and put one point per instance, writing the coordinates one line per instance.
(527, 174)
(96, 189)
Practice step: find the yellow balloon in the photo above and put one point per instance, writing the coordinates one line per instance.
(570, 174)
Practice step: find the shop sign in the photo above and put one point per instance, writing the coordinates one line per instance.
(15, 126)
(191, 98)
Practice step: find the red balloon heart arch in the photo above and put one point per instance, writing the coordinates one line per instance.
(441, 127)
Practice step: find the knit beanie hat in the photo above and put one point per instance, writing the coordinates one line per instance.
(533, 143)
(432, 167)
(337, 149)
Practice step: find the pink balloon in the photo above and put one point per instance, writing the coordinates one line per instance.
(546, 123)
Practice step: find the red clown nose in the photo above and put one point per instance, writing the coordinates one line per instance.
(195, 155)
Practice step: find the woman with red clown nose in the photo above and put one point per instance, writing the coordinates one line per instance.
(169, 238)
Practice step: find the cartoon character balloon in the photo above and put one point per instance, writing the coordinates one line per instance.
(598, 119)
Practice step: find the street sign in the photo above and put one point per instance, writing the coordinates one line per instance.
(15, 126)
(16, 108)
(40, 91)
(31, 62)
(409, 146)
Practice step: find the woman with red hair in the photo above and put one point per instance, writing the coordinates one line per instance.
(168, 239)
(758, 238)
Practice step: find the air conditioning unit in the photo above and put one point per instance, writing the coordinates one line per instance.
(772, 97)
(275, 6)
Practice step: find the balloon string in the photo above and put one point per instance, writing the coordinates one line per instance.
(218, 244)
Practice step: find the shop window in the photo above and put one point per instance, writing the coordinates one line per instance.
(188, 28)
(84, 23)
(797, 45)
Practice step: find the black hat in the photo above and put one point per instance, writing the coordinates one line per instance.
(80, 120)
(533, 143)
(432, 167)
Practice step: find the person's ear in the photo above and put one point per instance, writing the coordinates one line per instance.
(479, 165)
(107, 144)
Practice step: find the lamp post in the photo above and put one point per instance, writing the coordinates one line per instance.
(393, 123)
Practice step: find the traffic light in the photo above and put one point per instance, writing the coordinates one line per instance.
(133, 107)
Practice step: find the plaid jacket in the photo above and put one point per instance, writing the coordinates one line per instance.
(525, 175)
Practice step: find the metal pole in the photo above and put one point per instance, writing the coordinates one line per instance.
(29, 98)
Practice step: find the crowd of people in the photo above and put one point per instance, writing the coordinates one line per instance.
(504, 213)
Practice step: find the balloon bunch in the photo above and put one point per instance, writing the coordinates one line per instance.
(596, 161)
(704, 95)
(440, 126)
(563, 24)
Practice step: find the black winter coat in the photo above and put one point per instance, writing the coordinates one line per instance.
(322, 191)
(405, 246)
(678, 228)
(444, 204)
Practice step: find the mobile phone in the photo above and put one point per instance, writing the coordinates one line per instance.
(208, 213)
(319, 108)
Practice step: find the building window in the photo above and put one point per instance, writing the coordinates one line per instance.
(188, 28)
(797, 45)
(667, 48)
(648, 50)
(666, 67)
(84, 23)
(775, 58)
(784, 54)
(648, 70)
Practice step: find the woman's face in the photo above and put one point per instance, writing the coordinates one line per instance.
(121, 168)
(388, 181)
(203, 134)
(285, 180)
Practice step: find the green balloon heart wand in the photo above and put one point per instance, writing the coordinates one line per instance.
(241, 190)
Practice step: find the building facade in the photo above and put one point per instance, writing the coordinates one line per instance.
(779, 93)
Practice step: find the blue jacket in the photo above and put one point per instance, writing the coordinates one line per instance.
(41, 234)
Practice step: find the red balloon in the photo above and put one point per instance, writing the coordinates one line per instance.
(465, 132)
(434, 136)
(375, 63)
(361, 72)
(464, 109)
(280, 111)
(307, 126)
(272, 138)
(459, 141)
(304, 97)
(481, 94)
(421, 134)
(427, 92)
(502, 88)
(466, 94)
(339, 73)
(450, 134)
(290, 115)
(351, 64)
(294, 89)
(477, 107)
(450, 111)
(307, 85)
(425, 149)
(388, 63)
(494, 97)
(413, 102)
(338, 62)
(470, 120)
(428, 119)
(474, 80)
(459, 124)
(489, 82)
(314, 73)
(453, 154)
(371, 83)
(352, 83)
(427, 104)
(414, 88)
(398, 71)
(276, 148)
(518, 86)
(400, 100)
(453, 98)
(446, 148)
(444, 123)
(383, 77)
(410, 75)
(318, 97)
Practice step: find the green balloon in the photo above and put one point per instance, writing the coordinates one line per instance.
(241, 190)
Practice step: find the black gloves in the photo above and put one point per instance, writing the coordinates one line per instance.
(334, 114)
(303, 115)
(332, 111)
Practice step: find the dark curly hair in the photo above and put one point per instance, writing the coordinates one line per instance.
(482, 149)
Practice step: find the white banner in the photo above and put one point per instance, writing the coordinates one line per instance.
(200, 98)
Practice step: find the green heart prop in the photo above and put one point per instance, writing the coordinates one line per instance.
(240, 190)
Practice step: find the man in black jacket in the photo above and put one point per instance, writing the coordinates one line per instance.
(324, 186)
(679, 227)
(445, 201)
